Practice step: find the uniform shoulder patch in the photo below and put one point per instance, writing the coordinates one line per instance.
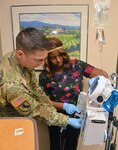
(18, 101)
(25, 107)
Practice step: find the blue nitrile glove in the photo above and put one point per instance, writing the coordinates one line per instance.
(70, 108)
(111, 102)
(75, 122)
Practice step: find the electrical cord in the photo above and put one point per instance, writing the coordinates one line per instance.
(62, 141)
(113, 145)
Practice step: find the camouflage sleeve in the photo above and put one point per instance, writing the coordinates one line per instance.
(34, 82)
(28, 104)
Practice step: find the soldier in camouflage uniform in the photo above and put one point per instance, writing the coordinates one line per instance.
(20, 94)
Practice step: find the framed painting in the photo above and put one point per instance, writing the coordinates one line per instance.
(69, 23)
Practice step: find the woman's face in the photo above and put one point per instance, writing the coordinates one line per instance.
(56, 58)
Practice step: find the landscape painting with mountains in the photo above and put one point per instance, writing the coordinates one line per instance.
(65, 26)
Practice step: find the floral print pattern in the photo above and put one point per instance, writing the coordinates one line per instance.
(66, 87)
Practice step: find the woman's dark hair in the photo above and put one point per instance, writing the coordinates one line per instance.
(31, 39)
(55, 43)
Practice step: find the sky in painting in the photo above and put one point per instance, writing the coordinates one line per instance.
(69, 19)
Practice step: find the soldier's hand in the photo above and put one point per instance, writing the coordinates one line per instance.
(75, 123)
(70, 108)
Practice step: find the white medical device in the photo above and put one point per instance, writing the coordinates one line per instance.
(94, 115)
(100, 90)
(94, 129)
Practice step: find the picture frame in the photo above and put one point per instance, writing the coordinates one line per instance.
(67, 22)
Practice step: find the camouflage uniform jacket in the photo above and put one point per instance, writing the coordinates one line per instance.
(20, 94)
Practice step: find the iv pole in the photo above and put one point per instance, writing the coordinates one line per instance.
(100, 18)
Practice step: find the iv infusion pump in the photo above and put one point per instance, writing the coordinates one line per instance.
(94, 115)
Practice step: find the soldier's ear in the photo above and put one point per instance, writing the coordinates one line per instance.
(19, 53)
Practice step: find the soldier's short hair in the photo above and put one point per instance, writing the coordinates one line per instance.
(31, 39)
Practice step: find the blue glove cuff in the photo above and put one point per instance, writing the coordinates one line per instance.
(65, 105)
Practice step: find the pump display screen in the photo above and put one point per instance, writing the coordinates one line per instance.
(93, 86)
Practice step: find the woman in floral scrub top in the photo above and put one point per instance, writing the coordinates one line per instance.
(62, 80)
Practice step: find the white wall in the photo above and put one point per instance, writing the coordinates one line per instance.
(94, 56)
(0, 47)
